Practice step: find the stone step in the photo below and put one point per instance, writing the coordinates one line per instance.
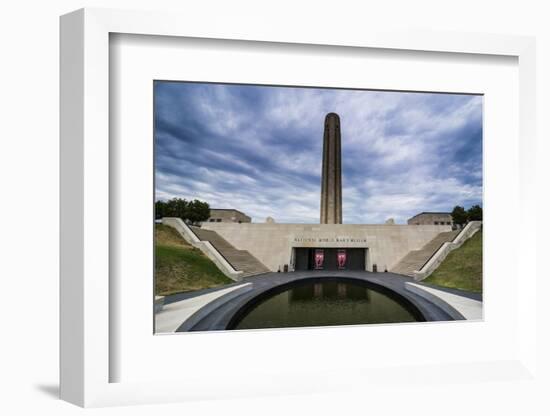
(415, 259)
(240, 259)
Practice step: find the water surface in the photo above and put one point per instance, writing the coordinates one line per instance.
(321, 303)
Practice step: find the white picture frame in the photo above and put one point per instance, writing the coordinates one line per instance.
(86, 263)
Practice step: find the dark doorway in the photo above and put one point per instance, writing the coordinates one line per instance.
(329, 258)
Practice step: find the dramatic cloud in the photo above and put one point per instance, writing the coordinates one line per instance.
(258, 149)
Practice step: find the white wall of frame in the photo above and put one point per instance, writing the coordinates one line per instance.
(29, 167)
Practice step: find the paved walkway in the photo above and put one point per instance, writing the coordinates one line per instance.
(208, 315)
(175, 313)
(459, 307)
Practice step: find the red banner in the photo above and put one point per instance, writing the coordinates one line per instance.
(342, 257)
(319, 259)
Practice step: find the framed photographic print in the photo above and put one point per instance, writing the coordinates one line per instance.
(324, 217)
(279, 198)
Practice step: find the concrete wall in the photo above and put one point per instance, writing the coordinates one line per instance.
(272, 243)
(208, 249)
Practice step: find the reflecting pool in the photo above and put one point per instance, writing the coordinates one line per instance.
(321, 303)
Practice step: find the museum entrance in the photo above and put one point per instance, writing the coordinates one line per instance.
(329, 258)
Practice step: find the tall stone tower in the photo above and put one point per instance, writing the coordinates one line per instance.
(331, 183)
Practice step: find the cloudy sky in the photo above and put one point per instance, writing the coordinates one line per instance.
(258, 149)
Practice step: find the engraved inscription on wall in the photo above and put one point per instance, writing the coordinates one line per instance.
(329, 240)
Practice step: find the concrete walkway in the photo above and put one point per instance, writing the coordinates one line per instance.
(459, 307)
(213, 309)
(174, 314)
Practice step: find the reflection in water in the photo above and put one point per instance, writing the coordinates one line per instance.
(325, 303)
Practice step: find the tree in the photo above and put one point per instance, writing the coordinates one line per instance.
(475, 213)
(192, 211)
(460, 216)
(198, 211)
(160, 210)
(176, 207)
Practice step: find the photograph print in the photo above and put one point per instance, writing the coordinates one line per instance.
(294, 206)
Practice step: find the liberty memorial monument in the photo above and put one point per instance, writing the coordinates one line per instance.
(331, 182)
(272, 246)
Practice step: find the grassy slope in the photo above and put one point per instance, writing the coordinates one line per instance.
(462, 269)
(179, 267)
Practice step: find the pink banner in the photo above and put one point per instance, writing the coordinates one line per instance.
(319, 259)
(342, 259)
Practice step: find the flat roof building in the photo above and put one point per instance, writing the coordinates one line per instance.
(227, 215)
(431, 218)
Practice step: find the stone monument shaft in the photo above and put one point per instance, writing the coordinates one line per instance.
(331, 182)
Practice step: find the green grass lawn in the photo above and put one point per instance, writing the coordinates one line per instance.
(462, 269)
(180, 267)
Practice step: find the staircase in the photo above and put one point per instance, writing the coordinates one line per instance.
(416, 258)
(240, 259)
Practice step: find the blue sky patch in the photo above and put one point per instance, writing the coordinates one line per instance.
(259, 148)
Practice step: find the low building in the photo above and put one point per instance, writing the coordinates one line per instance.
(227, 215)
(431, 218)
(300, 246)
